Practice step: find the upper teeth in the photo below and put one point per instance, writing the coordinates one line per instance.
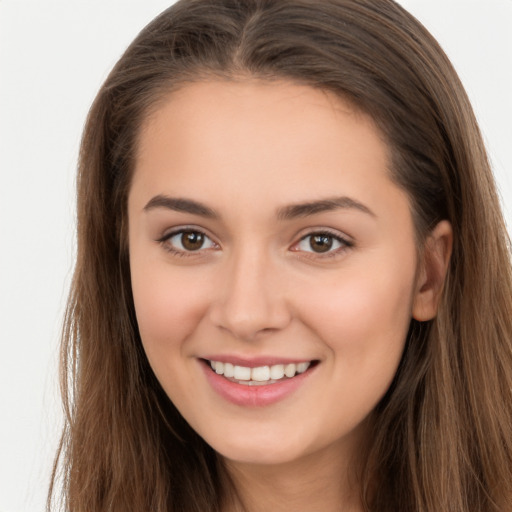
(260, 373)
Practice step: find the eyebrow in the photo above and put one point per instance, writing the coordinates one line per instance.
(181, 205)
(324, 205)
(289, 212)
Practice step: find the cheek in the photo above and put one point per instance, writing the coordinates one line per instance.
(168, 307)
(363, 316)
(363, 320)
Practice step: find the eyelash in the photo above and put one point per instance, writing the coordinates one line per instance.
(165, 242)
(344, 243)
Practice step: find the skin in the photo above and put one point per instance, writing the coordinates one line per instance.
(248, 150)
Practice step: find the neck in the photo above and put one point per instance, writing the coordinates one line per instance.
(321, 481)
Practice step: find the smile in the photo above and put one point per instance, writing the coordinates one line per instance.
(260, 375)
(254, 383)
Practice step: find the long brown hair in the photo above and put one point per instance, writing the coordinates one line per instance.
(442, 435)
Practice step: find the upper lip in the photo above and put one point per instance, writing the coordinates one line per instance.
(254, 362)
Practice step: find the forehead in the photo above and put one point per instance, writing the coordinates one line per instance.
(258, 140)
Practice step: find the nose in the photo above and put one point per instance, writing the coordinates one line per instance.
(251, 297)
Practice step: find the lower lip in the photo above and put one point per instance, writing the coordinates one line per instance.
(254, 396)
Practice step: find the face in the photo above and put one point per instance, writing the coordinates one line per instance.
(273, 266)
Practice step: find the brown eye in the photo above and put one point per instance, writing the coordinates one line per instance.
(188, 240)
(321, 243)
(192, 240)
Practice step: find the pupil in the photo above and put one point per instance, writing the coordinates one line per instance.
(192, 240)
(321, 243)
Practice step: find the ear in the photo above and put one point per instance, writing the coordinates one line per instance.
(432, 273)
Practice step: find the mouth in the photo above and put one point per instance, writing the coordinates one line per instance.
(260, 375)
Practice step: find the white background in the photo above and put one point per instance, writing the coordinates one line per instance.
(54, 55)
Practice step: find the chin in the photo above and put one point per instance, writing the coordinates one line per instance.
(259, 456)
(262, 449)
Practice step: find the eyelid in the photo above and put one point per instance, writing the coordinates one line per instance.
(345, 241)
(164, 239)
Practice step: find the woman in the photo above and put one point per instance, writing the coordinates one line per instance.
(293, 284)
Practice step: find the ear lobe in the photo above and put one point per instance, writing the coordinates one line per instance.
(436, 255)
